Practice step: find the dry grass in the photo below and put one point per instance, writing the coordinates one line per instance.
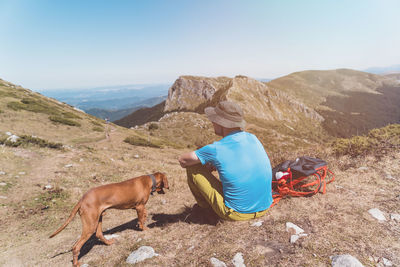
(336, 222)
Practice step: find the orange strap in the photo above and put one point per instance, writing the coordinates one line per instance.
(288, 186)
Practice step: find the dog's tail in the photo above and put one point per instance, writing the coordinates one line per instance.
(71, 216)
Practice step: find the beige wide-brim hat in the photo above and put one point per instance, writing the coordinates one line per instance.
(227, 114)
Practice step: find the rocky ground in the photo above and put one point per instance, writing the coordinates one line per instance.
(39, 186)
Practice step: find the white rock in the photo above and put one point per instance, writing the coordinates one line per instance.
(362, 168)
(22, 173)
(2, 173)
(142, 253)
(3, 184)
(163, 201)
(377, 214)
(85, 265)
(3, 197)
(8, 133)
(386, 262)
(48, 186)
(81, 160)
(13, 138)
(257, 224)
(217, 263)
(108, 237)
(297, 229)
(68, 166)
(238, 260)
(395, 217)
(136, 156)
(345, 261)
(294, 238)
(389, 176)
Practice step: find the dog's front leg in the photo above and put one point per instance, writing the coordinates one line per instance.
(142, 215)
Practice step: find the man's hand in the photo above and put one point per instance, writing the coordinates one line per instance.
(188, 159)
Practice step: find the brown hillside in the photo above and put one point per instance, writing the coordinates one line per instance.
(142, 116)
(40, 185)
(275, 116)
(312, 87)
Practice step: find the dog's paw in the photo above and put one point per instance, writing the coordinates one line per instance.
(110, 241)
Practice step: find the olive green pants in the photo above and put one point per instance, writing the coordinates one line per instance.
(207, 190)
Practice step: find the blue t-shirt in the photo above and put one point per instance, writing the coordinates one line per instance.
(244, 170)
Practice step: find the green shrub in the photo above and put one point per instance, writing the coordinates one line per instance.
(7, 94)
(139, 141)
(96, 123)
(376, 141)
(70, 115)
(98, 129)
(65, 121)
(153, 126)
(25, 140)
(33, 105)
(54, 198)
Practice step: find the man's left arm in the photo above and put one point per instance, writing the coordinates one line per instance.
(188, 159)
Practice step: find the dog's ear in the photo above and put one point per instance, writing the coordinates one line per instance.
(165, 181)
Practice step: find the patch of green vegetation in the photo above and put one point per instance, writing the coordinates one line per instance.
(7, 94)
(376, 141)
(26, 140)
(140, 141)
(70, 115)
(1, 111)
(54, 198)
(59, 119)
(6, 187)
(153, 126)
(98, 129)
(33, 105)
(96, 123)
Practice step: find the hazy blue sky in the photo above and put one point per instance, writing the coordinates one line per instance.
(62, 44)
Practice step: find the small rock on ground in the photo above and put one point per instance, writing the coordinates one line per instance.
(217, 263)
(297, 230)
(257, 224)
(238, 260)
(345, 260)
(395, 217)
(108, 237)
(294, 238)
(142, 253)
(377, 214)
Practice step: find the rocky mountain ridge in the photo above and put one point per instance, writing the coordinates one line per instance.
(257, 99)
(308, 99)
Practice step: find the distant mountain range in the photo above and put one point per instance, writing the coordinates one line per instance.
(112, 102)
(384, 70)
(291, 111)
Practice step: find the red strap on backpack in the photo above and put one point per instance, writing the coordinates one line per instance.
(302, 186)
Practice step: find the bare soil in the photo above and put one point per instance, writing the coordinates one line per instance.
(337, 222)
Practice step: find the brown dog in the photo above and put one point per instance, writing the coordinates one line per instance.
(130, 194)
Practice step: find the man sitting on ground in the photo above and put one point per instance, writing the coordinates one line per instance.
(244, 189)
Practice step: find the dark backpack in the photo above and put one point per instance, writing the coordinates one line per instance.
(305, 176)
